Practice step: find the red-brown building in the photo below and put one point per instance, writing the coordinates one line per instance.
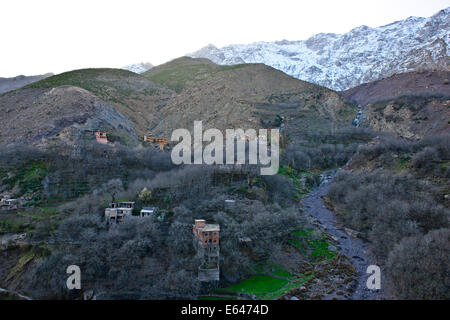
(101, 137)
(206, 241)
(161, 142)
(206, 233)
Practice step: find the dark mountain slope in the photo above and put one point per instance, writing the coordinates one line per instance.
(8, 84)
(407, 84)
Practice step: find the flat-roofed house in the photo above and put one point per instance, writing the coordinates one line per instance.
(147, 212)
(118, 211)
(6, 201)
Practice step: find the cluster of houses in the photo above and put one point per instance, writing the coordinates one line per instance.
(118, 211)
(206, 236)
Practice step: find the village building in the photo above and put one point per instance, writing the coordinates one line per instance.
(147, 212)
(101, 137)
(161, 142)
(118, 211)
(229, 203)
(206, 241)
(245, 241)
(9, 203)
(123, 204)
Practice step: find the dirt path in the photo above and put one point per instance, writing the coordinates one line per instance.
(354, 248)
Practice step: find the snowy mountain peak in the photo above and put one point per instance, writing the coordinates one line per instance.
(138, 67)
(342, 61)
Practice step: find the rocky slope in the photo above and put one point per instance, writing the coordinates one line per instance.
(113, 100)
(411, 105)
(169, 97)
(8, 84)
(410, 117)
(37, 115)
(243, 96)
(342, 61)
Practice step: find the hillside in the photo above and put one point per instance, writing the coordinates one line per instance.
(411, 105)
(343, 61)
(240, 96)
(243, 96)
(113, 100)
(420, 83)
(184, 71)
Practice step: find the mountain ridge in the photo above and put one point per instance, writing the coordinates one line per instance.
(8, 84)
(342, 61)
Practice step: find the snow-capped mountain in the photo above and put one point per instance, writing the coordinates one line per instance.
(342, 61)
(138, 67)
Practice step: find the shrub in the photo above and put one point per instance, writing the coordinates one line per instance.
(418, 266)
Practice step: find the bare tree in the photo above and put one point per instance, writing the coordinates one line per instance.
(113, 187)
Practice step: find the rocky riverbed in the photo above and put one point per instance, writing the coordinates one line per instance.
(346, 242)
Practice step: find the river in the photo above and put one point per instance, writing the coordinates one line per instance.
(355, 248)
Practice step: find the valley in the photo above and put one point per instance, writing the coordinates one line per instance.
(88, 177)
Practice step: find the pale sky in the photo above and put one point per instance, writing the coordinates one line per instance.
(60, 35)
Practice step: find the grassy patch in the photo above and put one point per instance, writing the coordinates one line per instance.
(256, 285)
(272, 269)
(312, 245)
(294, 284)
(177, 74)
(39, 213)
(11, 226)
(302, 180)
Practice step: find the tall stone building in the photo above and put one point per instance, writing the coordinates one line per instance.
(206, 242)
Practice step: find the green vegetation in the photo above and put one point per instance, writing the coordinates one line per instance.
(313, 245)
(105, 83)
(303, 180)
(259, 286)
(38, 213)
(266, 267)
(28, 178)
(30, 220)
(11, 226)
(176, 74)
(266, 287)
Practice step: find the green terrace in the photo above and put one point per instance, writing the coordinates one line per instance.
(271, 281)
(313, 245)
